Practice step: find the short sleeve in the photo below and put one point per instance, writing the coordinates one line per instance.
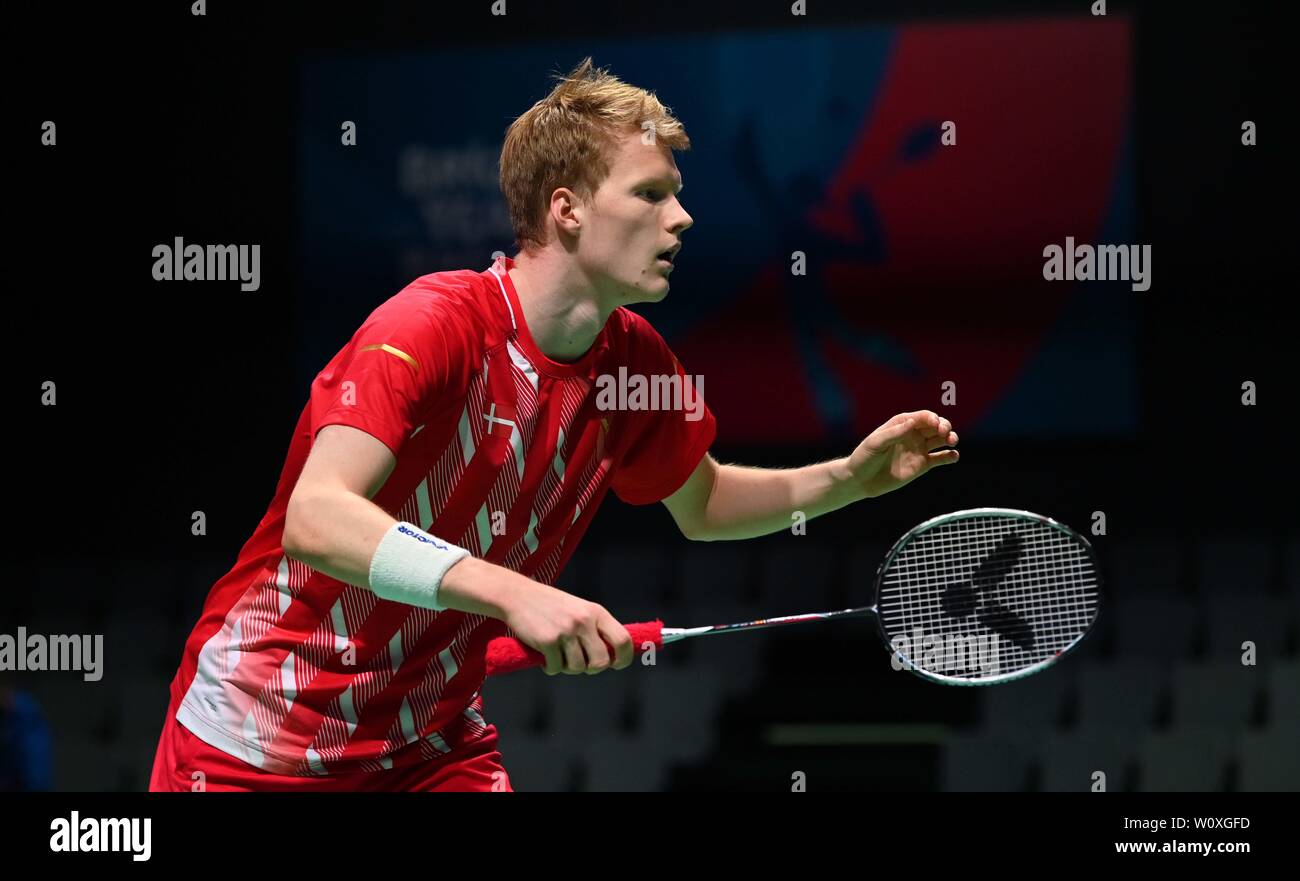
(392, 372)
(669, 443)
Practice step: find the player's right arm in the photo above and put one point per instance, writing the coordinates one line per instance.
(332, 525)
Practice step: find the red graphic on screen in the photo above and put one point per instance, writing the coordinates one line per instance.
(924, 259)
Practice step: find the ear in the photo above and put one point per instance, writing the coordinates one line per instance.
(566, 211)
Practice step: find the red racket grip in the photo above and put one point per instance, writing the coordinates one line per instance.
(506, 654)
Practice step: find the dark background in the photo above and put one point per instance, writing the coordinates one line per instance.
(177, 398)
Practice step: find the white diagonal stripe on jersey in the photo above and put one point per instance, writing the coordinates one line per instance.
(448, 662)
(423, 504)
(525, 366)
(282, 584)
(314, 762)
(467, 433)
(348, 710)
(341, 640)
(233, 651)
(530, 537)
(474, 717)
(408, 724)
(517, 445)
(484, 524)
(435, 740)
(557, 464)
(395, 653)
(288, 685)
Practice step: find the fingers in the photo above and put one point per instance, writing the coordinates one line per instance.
(596, 650)
(554, 659)
(587, 648)
(616, 635)
(937, 442)
(943, 457)
(575, 660)
(583, 638)
(889, 434)
(928, 422)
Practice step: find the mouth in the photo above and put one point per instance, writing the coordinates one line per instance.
(665, 258)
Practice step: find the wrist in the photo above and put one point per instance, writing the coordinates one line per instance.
(409, 565)
(845, 486)
(481, 588)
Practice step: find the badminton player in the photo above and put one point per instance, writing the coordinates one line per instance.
(448, 462)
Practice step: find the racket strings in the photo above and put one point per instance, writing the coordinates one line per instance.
(989, 595)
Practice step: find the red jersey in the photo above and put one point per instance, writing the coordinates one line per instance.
(500, 450)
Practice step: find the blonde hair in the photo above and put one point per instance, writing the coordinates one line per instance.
(565, 140)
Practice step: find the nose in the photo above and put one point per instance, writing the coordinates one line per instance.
(682, 221)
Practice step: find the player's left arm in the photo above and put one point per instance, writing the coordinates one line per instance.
(720, 502)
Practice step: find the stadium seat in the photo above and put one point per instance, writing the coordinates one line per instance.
(796, 575)
(1215, 694)
(1187, 760)
(1268, 760)
(1235, 618)
(517, 703)
(1237, 565)
(1035, 703)
(632, 581)
(620, 764)
(1292, 563)
(737, 657)
(1284, 693)
(537, 763)
(1121, 693)
(718, 572)
(1069, 760)
(1154, 627)
(584, 707)
(1152, 566)
(679, 709)
(977, 762)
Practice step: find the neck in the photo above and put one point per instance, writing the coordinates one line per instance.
(561, 307)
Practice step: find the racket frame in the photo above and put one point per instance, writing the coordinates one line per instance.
(971, 513)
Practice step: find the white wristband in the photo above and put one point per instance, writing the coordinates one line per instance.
(409, 564)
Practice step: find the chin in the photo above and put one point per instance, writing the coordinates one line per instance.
(655, 296)
(647, 294)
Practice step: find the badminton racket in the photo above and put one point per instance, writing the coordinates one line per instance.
(975, 597)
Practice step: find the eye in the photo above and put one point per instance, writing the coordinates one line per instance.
(653, 195)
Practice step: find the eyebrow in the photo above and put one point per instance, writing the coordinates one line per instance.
(676, 187)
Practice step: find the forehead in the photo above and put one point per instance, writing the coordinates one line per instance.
(633, 160)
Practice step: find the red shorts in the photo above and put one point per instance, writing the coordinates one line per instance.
(474, 767)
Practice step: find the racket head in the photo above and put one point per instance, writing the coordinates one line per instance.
(986, 596)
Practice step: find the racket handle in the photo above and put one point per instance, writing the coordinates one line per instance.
(506, 654)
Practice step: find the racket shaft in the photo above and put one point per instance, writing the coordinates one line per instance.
(673, 634)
